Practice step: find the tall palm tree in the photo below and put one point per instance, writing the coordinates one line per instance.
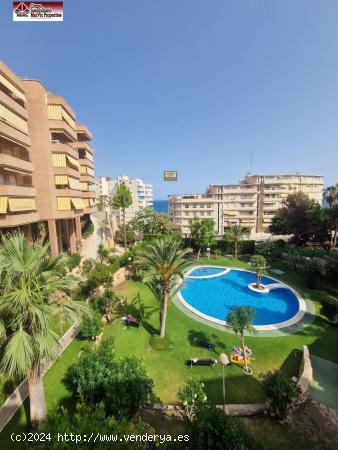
(331, 195)
(240, 319)
(235, 234)
(168, 260)
(122, 200)
(33, 291)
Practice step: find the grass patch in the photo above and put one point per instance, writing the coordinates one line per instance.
(161, 344)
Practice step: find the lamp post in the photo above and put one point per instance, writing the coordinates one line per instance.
(208, 252)
(224, 360)
(129, 264)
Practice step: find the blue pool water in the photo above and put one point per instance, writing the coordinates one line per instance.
(202, 271)
(216, 296)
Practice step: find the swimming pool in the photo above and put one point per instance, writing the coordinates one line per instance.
(213, 296)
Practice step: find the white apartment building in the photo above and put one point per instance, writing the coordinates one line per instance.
(251, 203)
(141, 192)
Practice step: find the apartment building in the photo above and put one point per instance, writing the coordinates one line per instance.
(251, 203)
(104, 187)
(141, 192)
(46, 164)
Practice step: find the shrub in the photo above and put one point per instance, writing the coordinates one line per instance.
(160, 344)
(73, 261)
(280, 243)
(283, 394)
(121, 384)
(100, 275)
(87, 229)
(212, 429)
(88, 265)
(87, 420)
(91, 327)
(329, 308)
(247, 247)
(191, 396)
(119, 236)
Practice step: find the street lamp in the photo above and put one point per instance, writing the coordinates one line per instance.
(224, 360)
(208, 252)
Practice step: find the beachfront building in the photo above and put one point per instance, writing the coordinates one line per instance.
(46, 164)
(251, 203)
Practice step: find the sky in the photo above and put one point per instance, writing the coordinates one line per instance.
(190, 85)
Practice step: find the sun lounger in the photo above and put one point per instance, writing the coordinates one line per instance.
(130, 321)
(204, 344)
(201, 362)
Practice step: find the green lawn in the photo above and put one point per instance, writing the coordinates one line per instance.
(167, 368)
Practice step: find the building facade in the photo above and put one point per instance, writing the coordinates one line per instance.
(251, 203)
(46, 164)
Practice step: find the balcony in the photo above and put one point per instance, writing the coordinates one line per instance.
(87, 179)
(60, 126)
(12, 104)
(86, 162)
(90, 210)
(8, 132)
(83, 145)
(67, 171)
(10, 190)
(64, 148)
(15, 163)
(58, 100)
(14, 220)
(83, 133)
(88, 194)
(67, 192)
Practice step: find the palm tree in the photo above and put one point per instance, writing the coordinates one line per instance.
(240, 320)
(331, 195)
(258, 263)
(235, 234)
(123, 199)
(167, 259)
(32, 293)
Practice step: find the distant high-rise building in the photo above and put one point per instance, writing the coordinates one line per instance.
(251, 203)
(141, 192)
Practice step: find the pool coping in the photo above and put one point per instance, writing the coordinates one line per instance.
(278, 284)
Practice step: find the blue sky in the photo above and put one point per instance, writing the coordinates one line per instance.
(191, 85)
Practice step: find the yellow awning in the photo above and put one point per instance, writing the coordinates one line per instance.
(77, 203)
(92, 201)
(59, 160)
(54, 112)
(84, 186)
(13, 119)
(89, 156)
(86, 202)
(90, 171)
(73, 161)
(61, 180)
(63, 203)
(68, 119)
(21, 204)
(74, 183)
(12, 88)
(3, 205)
(83, 170)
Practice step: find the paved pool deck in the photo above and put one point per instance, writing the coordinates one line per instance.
(324, 387)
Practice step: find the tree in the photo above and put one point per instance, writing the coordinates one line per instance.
(30, 282)
(284, 395)
(102, 253)
(122, 384)
(212, 429)
(191, 396)
(202, 233)
(240, 319)
(302, 217)
(258, 263)
(331, 215)
(122, 200)
(168, 261)
(331, 195)
(235, 234)
(147, 222)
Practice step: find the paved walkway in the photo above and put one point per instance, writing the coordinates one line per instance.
(90, 246)
(324, 387)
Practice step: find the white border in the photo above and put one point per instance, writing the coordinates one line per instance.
(214, 275)
(276, 326)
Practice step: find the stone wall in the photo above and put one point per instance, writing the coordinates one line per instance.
(305, 372)
(119, 276)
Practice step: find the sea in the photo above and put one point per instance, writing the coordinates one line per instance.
(161, 206)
